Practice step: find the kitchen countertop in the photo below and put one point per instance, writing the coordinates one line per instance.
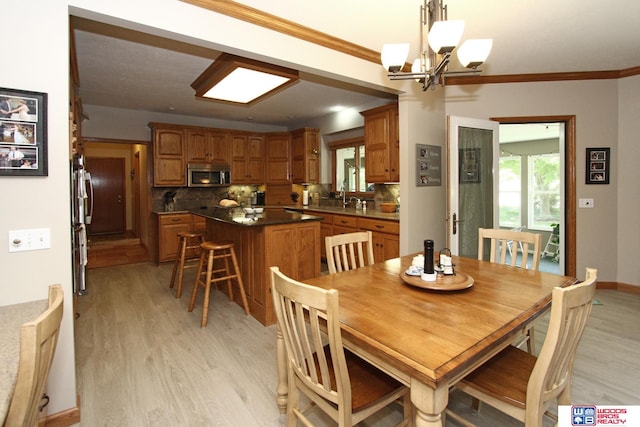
(236, 216)
(369, 213)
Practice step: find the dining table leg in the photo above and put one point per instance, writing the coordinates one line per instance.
(430, 404)
(283, 382)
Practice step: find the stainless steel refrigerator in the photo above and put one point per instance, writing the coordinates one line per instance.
(82, 209)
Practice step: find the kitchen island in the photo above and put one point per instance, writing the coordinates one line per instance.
(288, 240)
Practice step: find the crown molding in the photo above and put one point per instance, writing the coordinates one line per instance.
(293, 29)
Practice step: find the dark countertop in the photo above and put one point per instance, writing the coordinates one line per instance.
(369, 213)
(236, 216)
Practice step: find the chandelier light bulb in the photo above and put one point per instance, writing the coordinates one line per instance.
(394, 55)
(445, 35)
(474, 52)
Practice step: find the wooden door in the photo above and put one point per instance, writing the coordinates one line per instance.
(108, 178)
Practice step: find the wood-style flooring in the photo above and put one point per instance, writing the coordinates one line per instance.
(115, 249)
(143, 360)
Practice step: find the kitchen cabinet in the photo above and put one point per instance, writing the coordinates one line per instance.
(305, 163)
(326, 229)
(382, 144)
(169, 225)
(247, 159)
(168, 155)
(204, 146)
(386, 237)
(278, 164)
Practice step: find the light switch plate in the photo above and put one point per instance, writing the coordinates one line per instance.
(585, 203)
(29, 240)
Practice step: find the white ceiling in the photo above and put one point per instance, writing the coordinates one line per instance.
(125, 69)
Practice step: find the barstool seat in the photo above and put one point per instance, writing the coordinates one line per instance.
(188, 250)
(212, 251)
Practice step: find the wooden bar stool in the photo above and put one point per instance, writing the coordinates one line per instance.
(188, 250)
(212, 251)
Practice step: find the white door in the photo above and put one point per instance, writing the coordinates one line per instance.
(472, 155)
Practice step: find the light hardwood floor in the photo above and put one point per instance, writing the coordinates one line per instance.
(143, 360)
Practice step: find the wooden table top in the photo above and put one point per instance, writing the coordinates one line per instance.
(435, 337)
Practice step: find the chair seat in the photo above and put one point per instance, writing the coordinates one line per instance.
(368, 384)
(504, 377)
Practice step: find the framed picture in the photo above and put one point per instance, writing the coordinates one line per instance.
(597, 169)
(23, 133)
(469, 164)
(428, 165)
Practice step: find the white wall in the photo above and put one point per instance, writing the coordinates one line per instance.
(43, 202)
(595, 104)
(628, 206)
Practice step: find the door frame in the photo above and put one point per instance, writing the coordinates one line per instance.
(569, 177)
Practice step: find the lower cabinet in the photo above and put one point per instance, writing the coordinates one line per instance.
(169, 225)
(385, 233)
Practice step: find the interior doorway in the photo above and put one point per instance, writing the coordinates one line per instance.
(568, 185)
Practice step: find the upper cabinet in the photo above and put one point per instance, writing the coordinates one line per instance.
(205, 146)
(247, 158)
(168, 155)
(305, 162)
(278, 164)
(382, 145)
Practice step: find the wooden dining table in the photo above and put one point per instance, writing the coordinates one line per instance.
(430, 339)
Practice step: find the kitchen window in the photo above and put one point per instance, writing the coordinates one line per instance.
(348, 166)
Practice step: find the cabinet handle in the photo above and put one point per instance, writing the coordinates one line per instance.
(176, 219)
(379, 227)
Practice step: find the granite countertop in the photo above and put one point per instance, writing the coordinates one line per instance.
(236, 216)
(369, 213)
(11, 318)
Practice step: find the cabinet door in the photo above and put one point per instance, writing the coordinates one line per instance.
(255, 159)
(168, 158)
(197, 146)
(385, 246)
(305, 156)
(168, 240)
(381, 144)
(278, 148)
(219, 148)
(239, 172)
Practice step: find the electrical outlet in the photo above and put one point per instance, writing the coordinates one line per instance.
(29, 240)
(585, 203)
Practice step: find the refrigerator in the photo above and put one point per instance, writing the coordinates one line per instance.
(82, 210)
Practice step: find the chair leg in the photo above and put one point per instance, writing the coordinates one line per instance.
(207, 291)
(226, 266)
(239, 280)
(531, 341)
(197, 281)
(175, 264)
(183, 254)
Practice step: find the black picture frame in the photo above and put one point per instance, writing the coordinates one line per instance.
(597, 165)
(23, 133)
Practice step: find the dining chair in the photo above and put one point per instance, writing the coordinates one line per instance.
(501, 240)
(38, 341)
(523, 386)
(341, 384)
(348, 251)
(511, 240)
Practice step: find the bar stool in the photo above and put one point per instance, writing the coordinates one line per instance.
(188, 250)
(212, 251)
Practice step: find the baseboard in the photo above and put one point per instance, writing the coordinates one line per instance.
(622, 287)
(65, 418)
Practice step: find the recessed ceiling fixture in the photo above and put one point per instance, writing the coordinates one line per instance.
(240, 80)
(438, 39)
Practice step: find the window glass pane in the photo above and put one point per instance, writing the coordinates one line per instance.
(346, 169)
(510, 198)
(362, 183)
(544, 189)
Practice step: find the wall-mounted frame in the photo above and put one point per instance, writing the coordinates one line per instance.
(428, 165)
(469, 164)
(23, 133)
(598, 164)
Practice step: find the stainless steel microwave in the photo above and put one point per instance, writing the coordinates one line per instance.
(207, 175)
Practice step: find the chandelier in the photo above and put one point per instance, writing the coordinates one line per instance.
(438, 39)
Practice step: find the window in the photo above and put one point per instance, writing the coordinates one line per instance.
(510, 192)
(349, 168)
(544, 191)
